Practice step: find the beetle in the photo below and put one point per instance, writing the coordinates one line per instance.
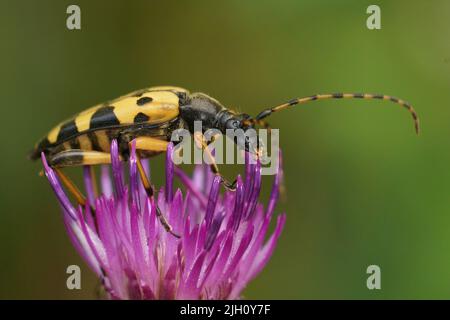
(149, 116)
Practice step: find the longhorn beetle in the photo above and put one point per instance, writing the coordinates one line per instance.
(149, 117)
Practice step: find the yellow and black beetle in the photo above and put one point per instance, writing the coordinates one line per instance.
(149, 117)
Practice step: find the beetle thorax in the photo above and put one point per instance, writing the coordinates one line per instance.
(201, 107)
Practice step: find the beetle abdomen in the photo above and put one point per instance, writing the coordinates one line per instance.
(97, 140)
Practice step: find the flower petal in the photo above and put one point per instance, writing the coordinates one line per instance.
(54, 183)
(117, 169)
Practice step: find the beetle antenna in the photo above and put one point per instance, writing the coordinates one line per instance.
(368, 96)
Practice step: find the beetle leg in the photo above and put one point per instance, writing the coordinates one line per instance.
(73, 189)
(151, 144)
(157, 145)
(76, 157)
(201, 143)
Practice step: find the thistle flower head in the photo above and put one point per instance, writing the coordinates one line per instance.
(223, 241)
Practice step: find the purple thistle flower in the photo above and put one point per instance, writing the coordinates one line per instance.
(221, 247)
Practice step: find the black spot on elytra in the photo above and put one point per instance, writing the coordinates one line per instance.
(143, 100)
(338, 95)
(104, 117)
(358, 95)
(67, 131)
(378, 96)
(141, 117)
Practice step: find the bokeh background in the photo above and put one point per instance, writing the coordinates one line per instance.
(362, 189)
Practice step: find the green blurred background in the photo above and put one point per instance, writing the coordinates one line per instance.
(362, 189)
